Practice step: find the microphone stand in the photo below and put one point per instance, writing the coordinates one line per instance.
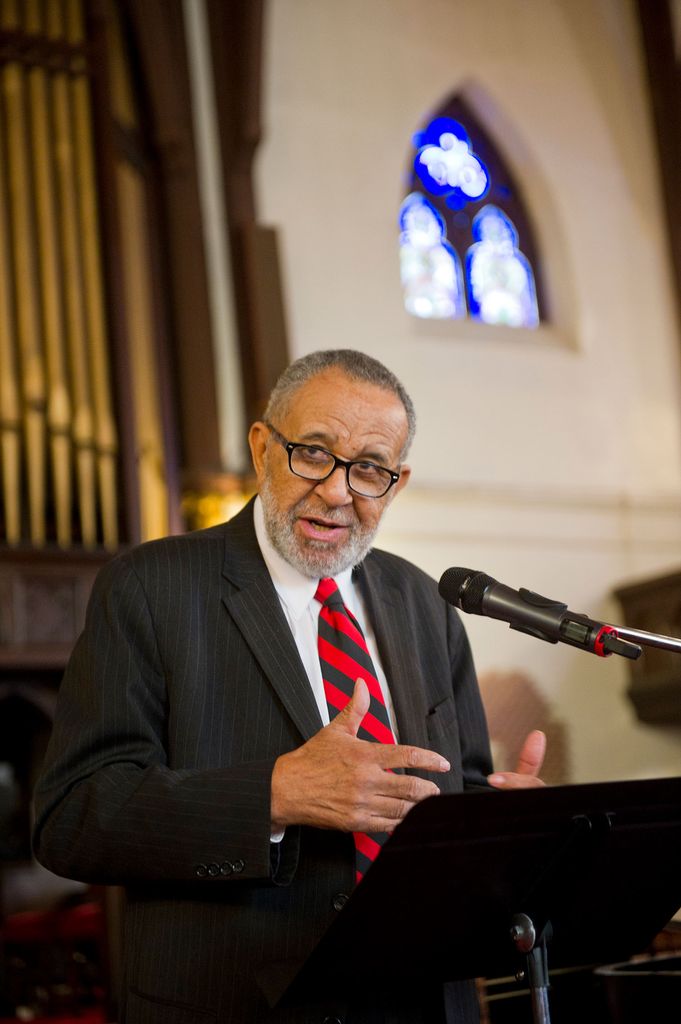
(641, 636)
(621, 640)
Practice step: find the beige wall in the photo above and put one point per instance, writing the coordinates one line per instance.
(549, 459)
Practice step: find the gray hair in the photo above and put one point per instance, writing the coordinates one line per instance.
(356, 365)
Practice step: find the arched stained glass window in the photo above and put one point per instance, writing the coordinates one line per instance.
(429, 266)
(499, 277)
(467, 248)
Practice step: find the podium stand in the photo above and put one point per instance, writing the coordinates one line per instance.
(484, 883)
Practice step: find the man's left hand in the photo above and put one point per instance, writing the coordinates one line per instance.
(530, 760)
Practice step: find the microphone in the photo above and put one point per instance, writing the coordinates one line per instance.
(477, 593)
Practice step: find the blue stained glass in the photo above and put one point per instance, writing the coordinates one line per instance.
(430, 268)
(446, 164)
(499, 277)
(456, 198)
(455, 201)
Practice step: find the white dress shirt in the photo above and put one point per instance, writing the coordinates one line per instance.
(296, 594)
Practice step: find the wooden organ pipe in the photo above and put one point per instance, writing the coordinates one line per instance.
(150, 452)
(10, 398)
(58, 397)
(32, 366)
(106, 440)
(65, 144)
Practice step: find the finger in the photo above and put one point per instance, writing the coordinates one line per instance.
(380, 814)
(409, 788)
(513, 780)
(390, 811)
(401, 755)
(387, 818)
(388, 825)
(386, 815)
(381, 825)
(531, 756)
(350, 718)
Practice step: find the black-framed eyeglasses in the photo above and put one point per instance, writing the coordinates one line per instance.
(310, 462)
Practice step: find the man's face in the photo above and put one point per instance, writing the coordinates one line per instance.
(322, 527)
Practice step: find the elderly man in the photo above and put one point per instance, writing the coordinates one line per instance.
(231, 714)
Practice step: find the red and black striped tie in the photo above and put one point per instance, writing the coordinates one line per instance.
(344, 658)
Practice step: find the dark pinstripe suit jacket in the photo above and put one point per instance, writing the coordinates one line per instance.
(183, 690)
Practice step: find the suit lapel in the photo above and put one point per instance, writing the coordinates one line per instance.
(394, 635)
(250, 598)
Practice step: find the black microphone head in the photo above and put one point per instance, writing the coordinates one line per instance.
(464, 588)
(451, 582)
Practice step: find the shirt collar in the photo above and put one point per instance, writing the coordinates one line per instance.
(295, 590)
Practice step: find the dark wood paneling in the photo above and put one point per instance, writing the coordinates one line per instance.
(236, 32)
(158, 32)
(655, 688)
(106, 148)
(262, 302)
(664, 77)
(43, 596)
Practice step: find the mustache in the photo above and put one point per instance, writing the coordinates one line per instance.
(339, 516)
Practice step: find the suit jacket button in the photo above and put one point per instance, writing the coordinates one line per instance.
(226, 867)
(339, 900)
(238, 867)
(201, 870)
(213, 870)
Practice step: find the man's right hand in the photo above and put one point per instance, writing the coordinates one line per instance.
(336, 780)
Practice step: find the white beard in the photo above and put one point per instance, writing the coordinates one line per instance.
(313, 558)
